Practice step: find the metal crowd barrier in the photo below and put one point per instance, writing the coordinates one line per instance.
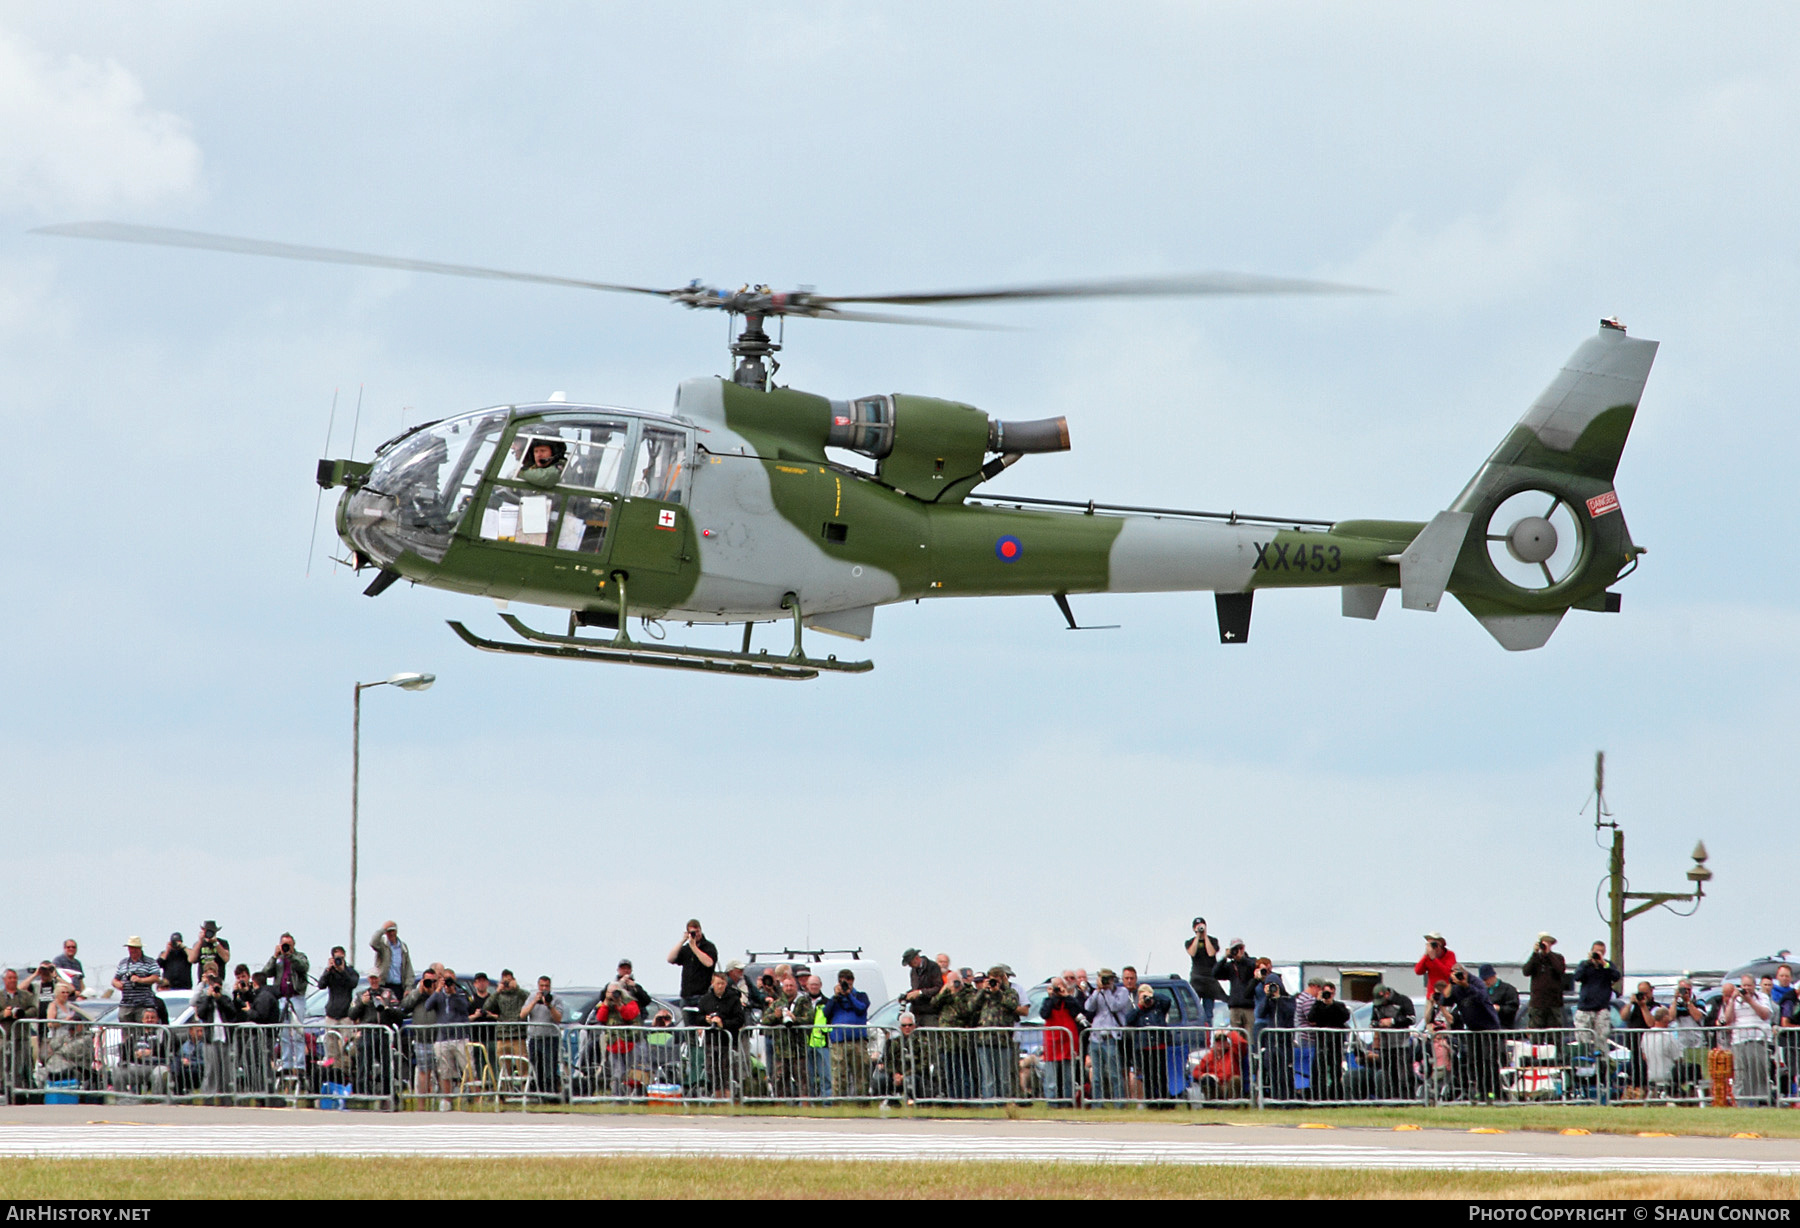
(69, 1061)
(700, 1065)
(332, 1065)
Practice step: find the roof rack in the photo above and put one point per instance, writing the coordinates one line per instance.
(813, 953)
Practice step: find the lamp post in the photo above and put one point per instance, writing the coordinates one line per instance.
(406, 682)
(1619, 913)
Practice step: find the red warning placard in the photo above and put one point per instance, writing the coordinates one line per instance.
(1599, 505)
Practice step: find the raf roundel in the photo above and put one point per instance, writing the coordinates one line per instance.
(1007, 549)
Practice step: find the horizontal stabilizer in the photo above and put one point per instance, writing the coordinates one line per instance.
(1363, 600)
(1426, 565)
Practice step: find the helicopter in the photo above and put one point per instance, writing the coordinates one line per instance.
(729, 509)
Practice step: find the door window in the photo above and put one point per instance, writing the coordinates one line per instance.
(659, 472)
(589, 452)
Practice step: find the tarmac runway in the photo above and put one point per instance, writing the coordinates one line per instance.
(137, 1131)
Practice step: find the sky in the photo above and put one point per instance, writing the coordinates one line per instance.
(177, 742)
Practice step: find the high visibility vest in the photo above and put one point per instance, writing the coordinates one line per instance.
(821, 1029)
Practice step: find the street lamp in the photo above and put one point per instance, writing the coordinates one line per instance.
(1619, 914)
(406, 682)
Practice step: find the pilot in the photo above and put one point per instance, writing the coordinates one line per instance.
(543, 466)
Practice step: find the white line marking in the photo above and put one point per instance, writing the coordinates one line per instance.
(524, 1138)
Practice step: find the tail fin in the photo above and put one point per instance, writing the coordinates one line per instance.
(1544, 530)
(1578, 425)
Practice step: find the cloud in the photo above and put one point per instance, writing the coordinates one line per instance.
(77, 136)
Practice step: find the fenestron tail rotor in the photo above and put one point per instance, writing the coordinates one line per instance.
(752, 347)
(1534, 539)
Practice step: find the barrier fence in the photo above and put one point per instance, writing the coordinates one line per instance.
(332, 1065)
(69, 1061)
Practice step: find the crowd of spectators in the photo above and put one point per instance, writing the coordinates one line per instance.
(1102, 1040)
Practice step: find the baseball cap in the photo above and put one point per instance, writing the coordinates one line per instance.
(1485, 971)
(624, 963)
(734, 965)
(1199, 920)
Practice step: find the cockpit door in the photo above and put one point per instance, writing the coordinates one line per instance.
(654, 532)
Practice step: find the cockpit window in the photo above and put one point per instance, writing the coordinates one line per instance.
(422, 485)
(659, 471)
(589, 451)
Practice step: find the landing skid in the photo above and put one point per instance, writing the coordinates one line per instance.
(621, 649)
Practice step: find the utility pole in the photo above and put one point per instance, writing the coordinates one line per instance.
(1619, 913)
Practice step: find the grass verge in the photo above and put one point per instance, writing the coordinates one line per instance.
(559, 1177)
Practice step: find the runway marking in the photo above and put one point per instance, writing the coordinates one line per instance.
(489, 1139)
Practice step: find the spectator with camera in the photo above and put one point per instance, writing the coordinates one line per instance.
(450, 1053)
(1547, 972)
(787, 1024)
(1238, 971)
(1147, 1031)
(1107, 1009)
(543, 1015)
(926, 978)
(177, 970)
(1598, 982)
(696, 956)
(1481, 1047)
(847, 1010)
(420, 1034)
(1329, 1019)
(1747, 1011)
(209, 947)
(1059, 1071)
(626, 983)
(618, 1014)
(507, 1002)
(1436, 963)
(957, 1012)
(1203, 969)
(1392, 1019)
(214, 1009)
(996, 1050)
(375, 1004)
(286, 972)
(339, 981)
(721, 1011)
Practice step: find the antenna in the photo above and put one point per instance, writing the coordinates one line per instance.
(357, 422)
(1601, 813)
(313, 542)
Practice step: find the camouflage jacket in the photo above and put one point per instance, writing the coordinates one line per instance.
(956, 1008)
(997, 1008)
(787, 1021)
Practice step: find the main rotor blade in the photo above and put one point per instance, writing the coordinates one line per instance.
(882, 317)
(123, 232)
(1122, 287)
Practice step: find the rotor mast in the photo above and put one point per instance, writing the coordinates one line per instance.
(755, 354)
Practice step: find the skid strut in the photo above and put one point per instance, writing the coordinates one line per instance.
(621, 649)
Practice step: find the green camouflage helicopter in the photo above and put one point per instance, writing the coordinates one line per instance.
(729, 509)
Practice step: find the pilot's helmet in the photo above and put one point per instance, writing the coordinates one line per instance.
(558, 451)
